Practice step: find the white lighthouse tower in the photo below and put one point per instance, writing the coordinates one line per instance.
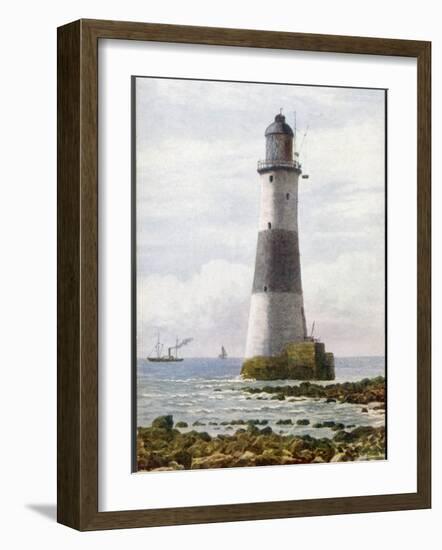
(277, 318)
(277, 305)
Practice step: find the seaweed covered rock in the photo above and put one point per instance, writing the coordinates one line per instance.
(166, 449)
(306, 360)
(265, 368)
(365, 391)
(163, 422)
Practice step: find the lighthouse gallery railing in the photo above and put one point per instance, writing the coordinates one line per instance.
(269, 164)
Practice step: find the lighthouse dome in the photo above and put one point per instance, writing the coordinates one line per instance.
(279, 126)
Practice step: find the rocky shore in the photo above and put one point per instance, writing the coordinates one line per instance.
(162, 447)
(176, 445)
(361, 392)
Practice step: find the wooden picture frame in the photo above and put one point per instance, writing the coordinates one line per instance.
(77, 226)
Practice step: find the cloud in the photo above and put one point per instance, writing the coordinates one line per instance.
(343, 297)
(211, 306)
(198, 198)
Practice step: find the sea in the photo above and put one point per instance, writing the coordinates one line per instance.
(208, 391)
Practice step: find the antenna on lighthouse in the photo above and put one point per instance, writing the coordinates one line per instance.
(303, 137)
(304, 176)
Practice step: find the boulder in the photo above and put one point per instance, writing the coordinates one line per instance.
(339, 457)
(217, 460)
(163, 422)
(296, 446)
(266, 431)
(318, 459)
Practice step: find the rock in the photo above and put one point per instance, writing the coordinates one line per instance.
(264, 368)
(258, 422)
(303, 422)
(217, 460)
(204, 436)
(342, 435)
(268, 458)
(175, 466)
(296, 446)
(247, 457)
(198, 423)
(298, 361)
(364, 410)
(318, 459)
(339, 457)
(252, 429)
(163, 449)
(338, 426)
(164, 422)
(330, 400)
(363, 431)
(183, 458)
(306, 455)
(362, 392)
(154, 460)
(266, 431)
(284, 421)
(181, 424)
(318, 425)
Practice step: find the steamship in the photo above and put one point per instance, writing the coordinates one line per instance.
(171, 357)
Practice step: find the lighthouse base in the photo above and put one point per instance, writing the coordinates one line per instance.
(299, 361)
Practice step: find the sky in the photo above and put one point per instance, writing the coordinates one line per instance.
(197, 208)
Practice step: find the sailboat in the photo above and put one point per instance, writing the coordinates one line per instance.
(169, 358)
(223, 354)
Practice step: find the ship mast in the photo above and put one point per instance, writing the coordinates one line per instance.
(158, 345)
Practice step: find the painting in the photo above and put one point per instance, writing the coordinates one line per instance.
(259, 274)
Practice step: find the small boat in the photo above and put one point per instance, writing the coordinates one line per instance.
(170, 357)
(223, 354)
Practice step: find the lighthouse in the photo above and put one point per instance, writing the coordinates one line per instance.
(277, 342)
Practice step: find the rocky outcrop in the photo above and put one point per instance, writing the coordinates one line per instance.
(160, 447)
(299, 361)
(362, 392)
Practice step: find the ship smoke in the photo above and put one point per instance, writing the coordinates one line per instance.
(184, 342)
